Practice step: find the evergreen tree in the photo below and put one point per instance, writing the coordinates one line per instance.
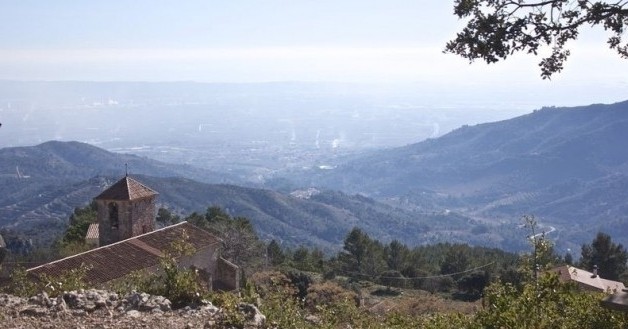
(274, 253)
(609, 257)
(396, 255)
(165, 217)
(80, 220)
(362, 255)
(456, 261)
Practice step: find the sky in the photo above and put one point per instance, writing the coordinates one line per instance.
(372, 41)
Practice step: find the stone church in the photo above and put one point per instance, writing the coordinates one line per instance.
(126, 209)
(126, 241)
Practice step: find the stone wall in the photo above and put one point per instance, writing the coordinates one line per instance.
(141, 217)
(106, 234)
(134, 218)
(227, 276)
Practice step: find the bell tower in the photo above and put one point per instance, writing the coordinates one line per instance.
(126, 209)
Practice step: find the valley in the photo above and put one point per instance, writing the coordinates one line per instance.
(307, 164)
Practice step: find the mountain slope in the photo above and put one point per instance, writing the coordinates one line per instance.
(545, 147)
(321, 220)
(75, 161)
(567, 166)
(56, 177)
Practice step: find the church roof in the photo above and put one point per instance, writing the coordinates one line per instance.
(124, 257)
(126, 189)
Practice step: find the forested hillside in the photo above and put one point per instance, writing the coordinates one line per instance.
(567, 166)
(56, 177)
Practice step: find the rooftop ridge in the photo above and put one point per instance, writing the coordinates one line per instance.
(128, 186)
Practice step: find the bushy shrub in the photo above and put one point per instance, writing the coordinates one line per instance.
(73, 279)
(301, 281)
(231, 315)
(21, 284)
(25, 286)
(547, 304)
(270, 282)
(182, 286)
(328, 293)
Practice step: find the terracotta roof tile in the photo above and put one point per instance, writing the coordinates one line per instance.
(121, 258)
(126, 188)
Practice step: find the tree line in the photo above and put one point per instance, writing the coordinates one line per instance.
(459, 269)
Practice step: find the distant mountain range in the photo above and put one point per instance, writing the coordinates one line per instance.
(567, 166)
(56, 177)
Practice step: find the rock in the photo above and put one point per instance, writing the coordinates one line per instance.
(101, 302)
(74, 299)
(133, 300)
(79, 312)
(60, 305)
(147, 303)
(11, 301)
(165, 305)
(89, 306)
(313, 319)
(211, 309)
(254, 318)
(41, 299)
(133, 313)
(98, 298)
(34, 311)
(89, 300)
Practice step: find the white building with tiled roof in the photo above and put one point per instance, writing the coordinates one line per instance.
(587, 280)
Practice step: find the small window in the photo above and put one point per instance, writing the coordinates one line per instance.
(113, 215)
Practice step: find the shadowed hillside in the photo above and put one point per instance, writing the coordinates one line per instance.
(56, 177)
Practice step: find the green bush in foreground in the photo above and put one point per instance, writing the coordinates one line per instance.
(180, 285)
(547, 304)
(24, 286)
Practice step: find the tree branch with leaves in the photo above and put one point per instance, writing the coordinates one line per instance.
(497, 29)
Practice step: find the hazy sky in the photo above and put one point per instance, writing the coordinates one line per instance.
(273, 40)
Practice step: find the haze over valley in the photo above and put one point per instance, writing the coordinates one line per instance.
(309, 117)
(249, 130)
(306, 162)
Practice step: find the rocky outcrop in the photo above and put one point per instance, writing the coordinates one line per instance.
(105, 309)
(87, 301)
(254, 318)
